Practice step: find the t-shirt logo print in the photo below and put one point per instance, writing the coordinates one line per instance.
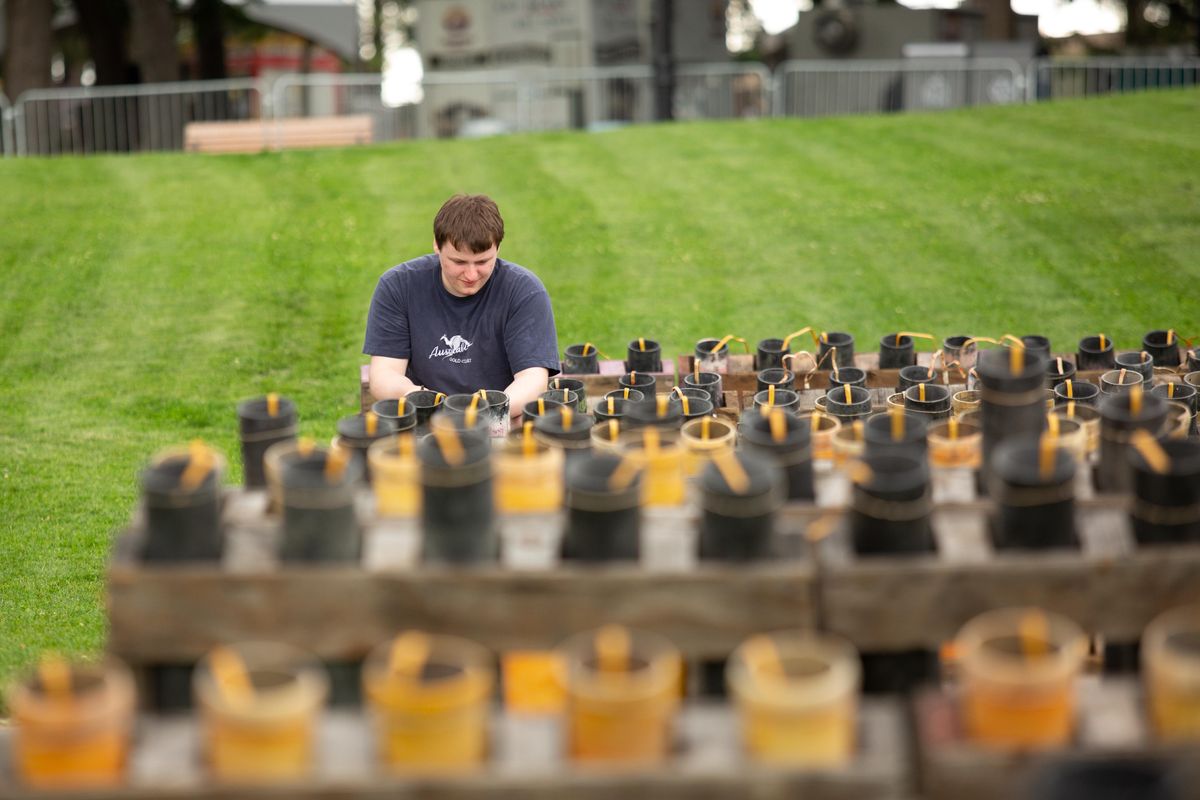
(454, 345)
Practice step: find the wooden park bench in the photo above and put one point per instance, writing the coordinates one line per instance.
(256, 135)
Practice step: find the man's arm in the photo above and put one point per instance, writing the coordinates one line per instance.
(527, 385)
(388, 380)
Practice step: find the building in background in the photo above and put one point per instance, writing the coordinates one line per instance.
(546, 39)
(857, 31)
(898, 58)
(311, 37)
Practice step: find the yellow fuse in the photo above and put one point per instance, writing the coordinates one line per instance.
(335, 463)
(778, 425)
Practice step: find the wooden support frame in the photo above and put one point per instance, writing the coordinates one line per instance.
(1109, 586)
(175, 613)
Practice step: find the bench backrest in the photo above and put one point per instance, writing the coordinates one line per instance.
(252, 136)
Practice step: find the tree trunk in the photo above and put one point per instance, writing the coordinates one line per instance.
(662, 47)
(103, 23)
(210, 38)
(152, 40)
(377, 31)
(27, 62)
(1137, 30)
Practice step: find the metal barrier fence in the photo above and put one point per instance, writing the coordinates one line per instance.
(598, 98)
(1050, 79)
(6, 133)
(123, 119)
(470, 103)
(153, 116)
(313, 95)
(823, 88)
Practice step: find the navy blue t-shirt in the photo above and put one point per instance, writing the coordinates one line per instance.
(461, 344)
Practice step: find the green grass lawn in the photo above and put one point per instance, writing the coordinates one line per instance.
(141, 297)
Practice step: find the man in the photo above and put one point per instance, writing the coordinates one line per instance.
(461, 318)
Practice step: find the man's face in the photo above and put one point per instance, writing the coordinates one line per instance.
(464, 273)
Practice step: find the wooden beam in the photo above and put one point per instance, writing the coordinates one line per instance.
(1110, 587)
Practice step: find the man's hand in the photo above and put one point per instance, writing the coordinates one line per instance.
(527, 385)
(387, 378)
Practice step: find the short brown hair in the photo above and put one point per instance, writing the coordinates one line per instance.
(469, 222)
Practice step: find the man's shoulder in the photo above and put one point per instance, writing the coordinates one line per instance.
(413, 269)
(521, 281)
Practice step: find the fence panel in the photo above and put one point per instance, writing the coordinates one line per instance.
(722, 91)
(823, 88)
(448, 105)
(1052, 79)
(478, 103)
(6, 128)
(591, 99)
(122, 119)
(321, 95)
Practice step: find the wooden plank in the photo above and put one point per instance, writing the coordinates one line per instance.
(1110, 725)
(167, 616)
(526, 762)
(173, 614)
(1109, 587)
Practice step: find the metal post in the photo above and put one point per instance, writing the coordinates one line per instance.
(6, 126)
(18, 118)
